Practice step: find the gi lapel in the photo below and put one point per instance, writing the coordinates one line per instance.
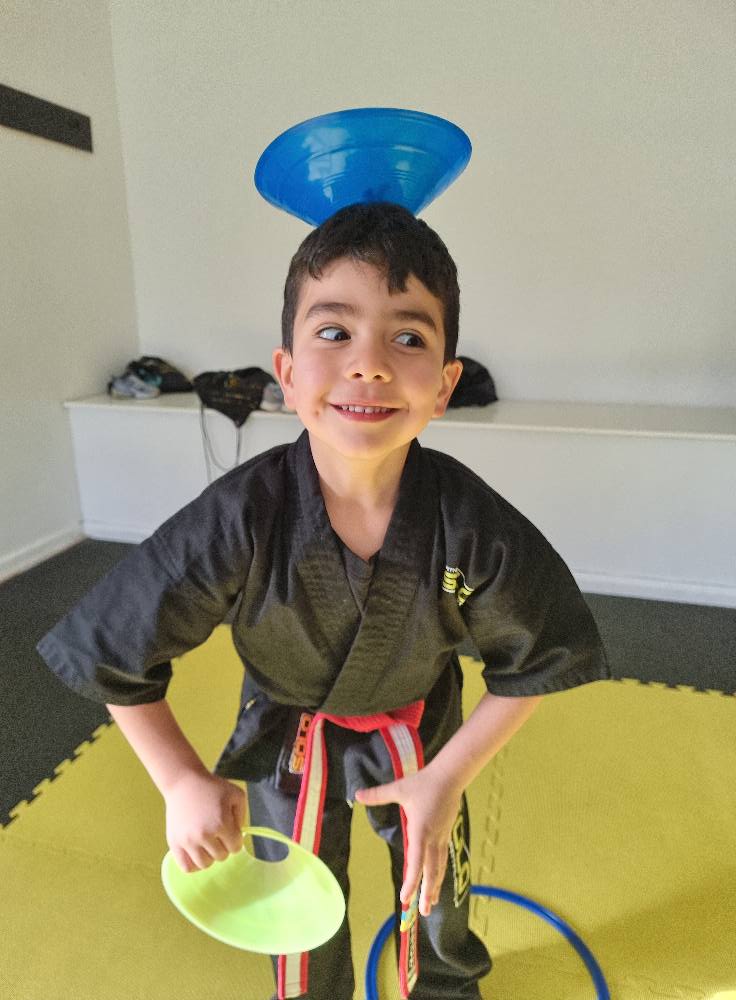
(369, 670)
(316, 555)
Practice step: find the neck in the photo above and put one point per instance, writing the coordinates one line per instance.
(365, 483)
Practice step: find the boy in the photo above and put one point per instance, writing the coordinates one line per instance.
(361, 561)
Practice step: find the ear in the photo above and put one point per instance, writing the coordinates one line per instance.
(283, 367)
(450, 377)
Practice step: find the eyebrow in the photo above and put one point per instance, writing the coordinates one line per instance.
(345, 308)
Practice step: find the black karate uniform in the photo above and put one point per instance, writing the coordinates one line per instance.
(458, 563)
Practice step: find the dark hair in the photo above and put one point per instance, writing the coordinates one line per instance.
(392, 239)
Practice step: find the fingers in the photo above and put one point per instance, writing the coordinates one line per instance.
(232, 841)
(426, 861)
(435, 866)
(205, 825)
(380, 795)
(210, 848)
(183, 860)
(426, 855)
(231, 833)
(196, 857)
(413, 871)
(239, 808)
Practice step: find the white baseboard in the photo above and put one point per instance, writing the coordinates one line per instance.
(107, 531)
(29, 556)
(673, 591)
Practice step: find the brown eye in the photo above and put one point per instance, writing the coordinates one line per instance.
(333, 333)
(414, 340)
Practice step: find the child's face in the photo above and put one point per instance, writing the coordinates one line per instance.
(357, 344)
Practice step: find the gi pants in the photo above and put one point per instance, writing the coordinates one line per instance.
(451, 957)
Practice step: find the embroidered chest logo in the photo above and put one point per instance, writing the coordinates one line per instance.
(450, 584)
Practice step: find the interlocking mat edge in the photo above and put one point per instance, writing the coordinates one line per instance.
(615, 806)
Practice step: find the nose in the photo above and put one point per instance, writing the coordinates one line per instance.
(369, 363)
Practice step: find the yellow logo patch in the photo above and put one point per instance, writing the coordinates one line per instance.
(451, 584)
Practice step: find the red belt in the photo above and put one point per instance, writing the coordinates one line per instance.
(399, 732)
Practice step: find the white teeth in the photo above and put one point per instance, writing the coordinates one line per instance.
(367, 409)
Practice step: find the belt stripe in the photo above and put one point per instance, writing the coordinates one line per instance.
(405, 749)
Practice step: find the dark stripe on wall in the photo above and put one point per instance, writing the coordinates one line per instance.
(39, 117)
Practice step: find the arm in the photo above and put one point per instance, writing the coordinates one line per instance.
(431, 798)
(490, 726)
(204, 813)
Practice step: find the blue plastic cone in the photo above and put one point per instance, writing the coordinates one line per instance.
(365, 154)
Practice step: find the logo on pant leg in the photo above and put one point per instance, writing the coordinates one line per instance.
(460, 861)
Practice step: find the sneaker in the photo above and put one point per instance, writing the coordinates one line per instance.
(131, 387)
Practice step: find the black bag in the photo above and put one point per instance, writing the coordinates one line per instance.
(235, 393)
(160, 373)
(475, 387)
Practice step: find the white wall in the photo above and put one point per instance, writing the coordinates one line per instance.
(67, 309)
(593, 227)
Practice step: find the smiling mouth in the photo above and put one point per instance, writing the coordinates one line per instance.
(354, 408)
(364, 414)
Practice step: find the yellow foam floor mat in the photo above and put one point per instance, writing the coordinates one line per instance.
(615, 806)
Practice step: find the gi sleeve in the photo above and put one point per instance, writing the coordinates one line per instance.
(529, 621)
(163, 599)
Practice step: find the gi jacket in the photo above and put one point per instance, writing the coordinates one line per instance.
(458, 563)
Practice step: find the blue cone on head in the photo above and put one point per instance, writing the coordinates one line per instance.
(361, 155)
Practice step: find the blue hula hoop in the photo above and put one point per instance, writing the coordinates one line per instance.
(384, 932)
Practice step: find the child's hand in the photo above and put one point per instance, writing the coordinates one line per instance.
(204, 818)
(431, 806)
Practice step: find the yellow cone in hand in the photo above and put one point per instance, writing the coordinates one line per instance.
(274, 907)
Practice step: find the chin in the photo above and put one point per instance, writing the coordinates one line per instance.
(357, 446)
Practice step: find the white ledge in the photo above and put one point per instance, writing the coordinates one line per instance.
(705, 423)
